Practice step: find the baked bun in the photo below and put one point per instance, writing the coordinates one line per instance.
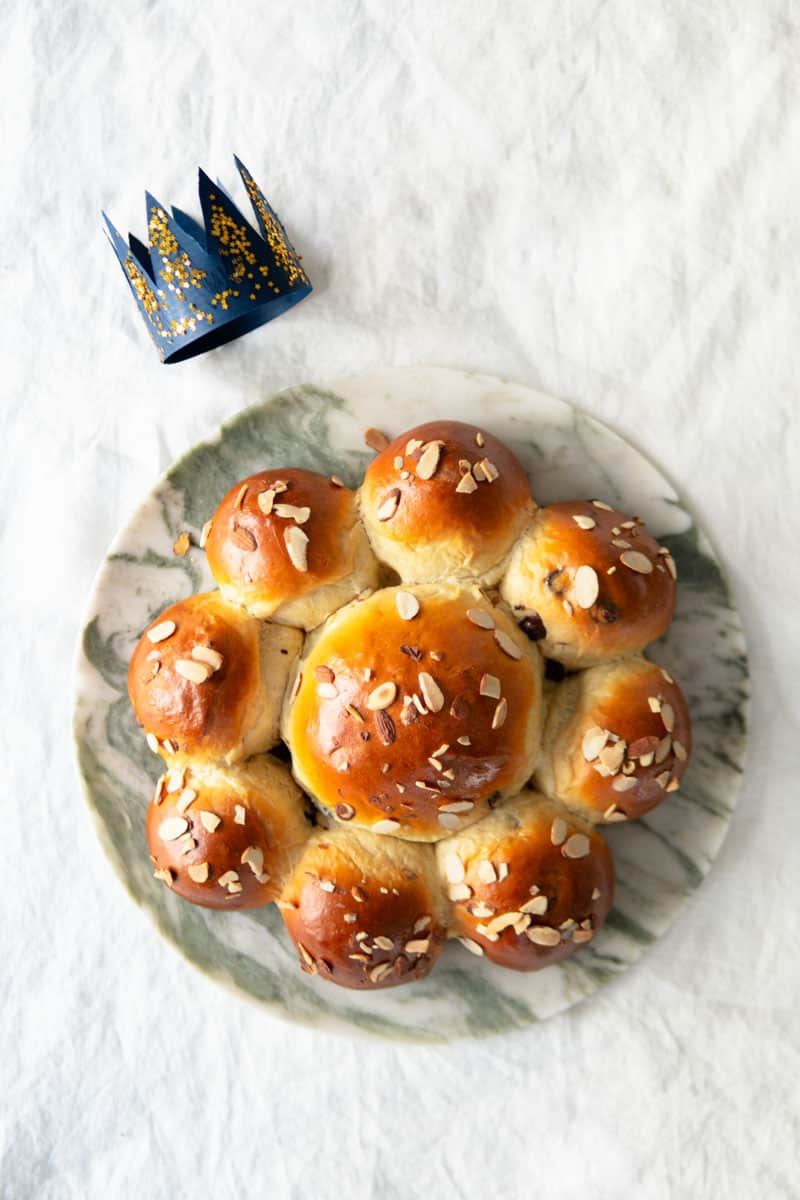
(445, 501)
(617, 739)
(413, 708)
(589, 583)
(227, 837)
(365, 912)
(289, 545)
(529, 884)
(207, 681)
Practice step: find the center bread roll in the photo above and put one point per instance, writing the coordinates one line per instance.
(414, 710)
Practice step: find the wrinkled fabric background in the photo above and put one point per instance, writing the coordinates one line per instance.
(599, 199)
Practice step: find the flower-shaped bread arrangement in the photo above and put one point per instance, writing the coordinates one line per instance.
(458, 676)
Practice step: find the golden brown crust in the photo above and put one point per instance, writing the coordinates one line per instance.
(426, 529)
(617, 740)
(308, 540)
(206, 680)
(364, 912)
(227, 838)
(529, 885)
(389, 764)
(600, 591)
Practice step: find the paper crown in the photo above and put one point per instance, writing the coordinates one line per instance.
(199, 288)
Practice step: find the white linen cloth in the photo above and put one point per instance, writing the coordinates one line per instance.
(598, 199)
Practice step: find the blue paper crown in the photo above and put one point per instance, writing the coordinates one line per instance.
(197, 289)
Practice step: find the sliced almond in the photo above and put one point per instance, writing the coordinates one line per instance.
(418, 946)
(537, 906)
(593, 742)
(389, 506)
(459, 891)
(172, 828)
(292, 512)
(668, 717)
(204, 532)
(296, 541)
(584, 522)
(458, 806)
(558, 831)
(623, 783)
(577, 846)
(473, 946)
(490, 686)
(210, 820)
(198, 872)
(429, 461)
(543, 935)
(407, 605)
(160, 632)
(253, 857)
(376, 440)
(612, 756)
(500, 713)
(186, 799)
(636, 561)
(680, 751)
(487, 872)
(327, 691)
(465, 486)
(266, 500)
(386, 826)
(195, 672)
(239, 501)
(381, 696)
(507, 644)
(586, 586)
(664, 746)
(431, 692)
(480, 617)
(205, 654)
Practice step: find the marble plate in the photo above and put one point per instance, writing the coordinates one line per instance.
(660, 860)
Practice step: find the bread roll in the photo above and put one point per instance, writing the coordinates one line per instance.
(413, 709)
(207, 681)
(445, 501)
(589, 583)
(529, 884)
(227, 837)
(617, 739)
(363, 911)
(289, 545)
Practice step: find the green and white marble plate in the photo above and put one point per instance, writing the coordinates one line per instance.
(660, 860)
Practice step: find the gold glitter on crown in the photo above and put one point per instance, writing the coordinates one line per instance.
(198, 287)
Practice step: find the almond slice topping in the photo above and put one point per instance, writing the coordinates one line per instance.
(429, 461)
(636, 561)
(586, 586)
(160, 632)
(171, 828)
(431, 692)
(407, 605)
(296, 541)
(205, 654)
(507, 644)
(381, 696)
(195, 672)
